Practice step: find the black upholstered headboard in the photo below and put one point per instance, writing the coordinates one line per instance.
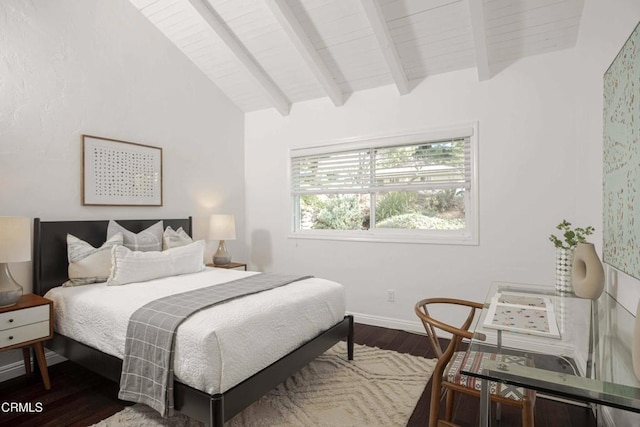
(50, 265)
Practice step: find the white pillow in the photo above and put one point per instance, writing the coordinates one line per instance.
(134, 266)
(146, 240)
(88, 264)
(175, 238)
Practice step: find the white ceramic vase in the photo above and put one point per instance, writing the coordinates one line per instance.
(564, 259)
(587, 273)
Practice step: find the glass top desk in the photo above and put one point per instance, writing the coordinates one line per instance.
(566, 353)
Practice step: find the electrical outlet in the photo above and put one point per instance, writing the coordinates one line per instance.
(391, 295)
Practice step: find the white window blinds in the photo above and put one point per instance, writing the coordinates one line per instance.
(425, 165)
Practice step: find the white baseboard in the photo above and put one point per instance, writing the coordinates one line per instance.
(388, 322)
(16, 369)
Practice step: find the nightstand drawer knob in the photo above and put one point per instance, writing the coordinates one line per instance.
(10, 320)
(11, 337)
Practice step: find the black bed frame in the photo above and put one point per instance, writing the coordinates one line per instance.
(50, 270)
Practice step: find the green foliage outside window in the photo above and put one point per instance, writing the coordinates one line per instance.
(412, 210)
(396, 203)
(415, 221)
(334, 212)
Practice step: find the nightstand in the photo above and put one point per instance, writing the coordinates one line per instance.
(27, 324)
(230, 265)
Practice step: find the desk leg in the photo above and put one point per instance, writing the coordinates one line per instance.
(42, 364)
(594, 338)
(594, 345)
(498, 405)
(485, 404)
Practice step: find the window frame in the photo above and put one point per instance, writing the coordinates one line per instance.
(468, 236)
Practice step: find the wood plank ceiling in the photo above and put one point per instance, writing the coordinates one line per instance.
(273, 53)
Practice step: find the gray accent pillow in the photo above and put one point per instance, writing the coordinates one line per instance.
(174, 238)
(88, 264)
(145, 241)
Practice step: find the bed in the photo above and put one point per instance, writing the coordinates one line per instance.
(206, 403)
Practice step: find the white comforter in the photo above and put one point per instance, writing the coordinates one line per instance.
(216, 348)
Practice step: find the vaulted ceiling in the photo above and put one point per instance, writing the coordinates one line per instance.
(274, 53)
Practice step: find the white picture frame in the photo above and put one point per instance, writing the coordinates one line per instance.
(120, 173)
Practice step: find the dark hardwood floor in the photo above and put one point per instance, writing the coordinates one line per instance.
(80, 398)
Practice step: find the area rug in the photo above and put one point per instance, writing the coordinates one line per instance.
(377, 388)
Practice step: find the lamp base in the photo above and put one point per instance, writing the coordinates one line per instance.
(222, 256)
(10, 291)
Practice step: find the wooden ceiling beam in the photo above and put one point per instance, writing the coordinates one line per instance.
(289, 23)
(478, 30)
(271, 90)
(381, 30)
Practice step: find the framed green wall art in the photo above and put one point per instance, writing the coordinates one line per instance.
(621, 159)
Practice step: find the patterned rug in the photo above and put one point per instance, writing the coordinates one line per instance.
(377, 388)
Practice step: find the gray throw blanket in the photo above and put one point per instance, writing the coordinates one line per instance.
(147, 368)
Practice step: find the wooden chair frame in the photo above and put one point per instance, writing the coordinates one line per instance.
(440, 387)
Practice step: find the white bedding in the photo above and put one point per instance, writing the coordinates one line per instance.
(216, 348)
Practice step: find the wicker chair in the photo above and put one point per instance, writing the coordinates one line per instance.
(447, 379)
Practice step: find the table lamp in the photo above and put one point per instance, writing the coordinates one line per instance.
(222, 227)
(15, 246)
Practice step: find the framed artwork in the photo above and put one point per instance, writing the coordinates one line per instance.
(120, 173)
(621, 159)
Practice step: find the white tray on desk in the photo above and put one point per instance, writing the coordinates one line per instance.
(522, 313)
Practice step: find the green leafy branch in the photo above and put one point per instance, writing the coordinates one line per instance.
(570, 237)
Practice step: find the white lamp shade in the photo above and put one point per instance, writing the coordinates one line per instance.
(15, 239)
(222, 227)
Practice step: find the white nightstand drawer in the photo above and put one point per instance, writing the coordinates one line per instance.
(17, 318)
(24, 333)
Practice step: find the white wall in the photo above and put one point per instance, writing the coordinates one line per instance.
(527, 166)
(540, 162)
(98, 67)
(73, 67)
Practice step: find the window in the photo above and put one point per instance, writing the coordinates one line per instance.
(418, 187)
